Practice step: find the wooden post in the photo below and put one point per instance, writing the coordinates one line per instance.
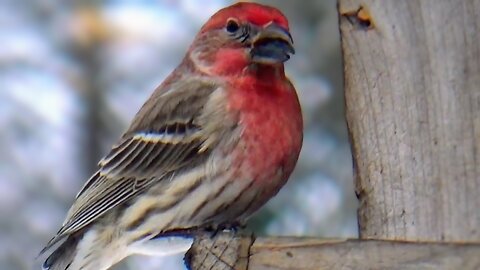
(412, 91)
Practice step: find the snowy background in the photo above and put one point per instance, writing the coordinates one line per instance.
(73, 74)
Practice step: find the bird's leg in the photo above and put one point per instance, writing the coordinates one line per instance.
(233, 227)
(236, 226)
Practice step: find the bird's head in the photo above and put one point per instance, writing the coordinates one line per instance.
(240, 36)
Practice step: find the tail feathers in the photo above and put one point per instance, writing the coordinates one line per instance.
(63, 256)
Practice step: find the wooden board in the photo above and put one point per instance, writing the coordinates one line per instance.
(412, 86)
(225, 252)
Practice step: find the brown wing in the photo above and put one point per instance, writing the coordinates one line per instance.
(168, 134)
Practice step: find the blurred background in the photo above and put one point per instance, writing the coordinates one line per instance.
(73, 74)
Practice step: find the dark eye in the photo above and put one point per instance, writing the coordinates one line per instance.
(232, 26)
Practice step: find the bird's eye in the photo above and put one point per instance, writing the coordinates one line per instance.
(232, 26)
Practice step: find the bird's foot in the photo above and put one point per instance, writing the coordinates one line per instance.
(234, 227)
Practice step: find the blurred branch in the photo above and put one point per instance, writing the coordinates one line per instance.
(89, 34)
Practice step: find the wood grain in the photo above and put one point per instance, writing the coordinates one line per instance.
(221, 253)
(412, 86)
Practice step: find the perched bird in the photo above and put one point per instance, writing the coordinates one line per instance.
(214, 142)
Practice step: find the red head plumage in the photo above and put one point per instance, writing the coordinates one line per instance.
(247, 12)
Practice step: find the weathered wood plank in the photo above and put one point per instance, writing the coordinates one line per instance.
(412, 86)
(223, 251)
(312, 253)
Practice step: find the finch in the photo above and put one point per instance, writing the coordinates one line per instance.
(213, 143)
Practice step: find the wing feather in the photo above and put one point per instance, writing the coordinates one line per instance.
(165, 135)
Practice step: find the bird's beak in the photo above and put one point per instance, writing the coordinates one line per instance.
(272, 44)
